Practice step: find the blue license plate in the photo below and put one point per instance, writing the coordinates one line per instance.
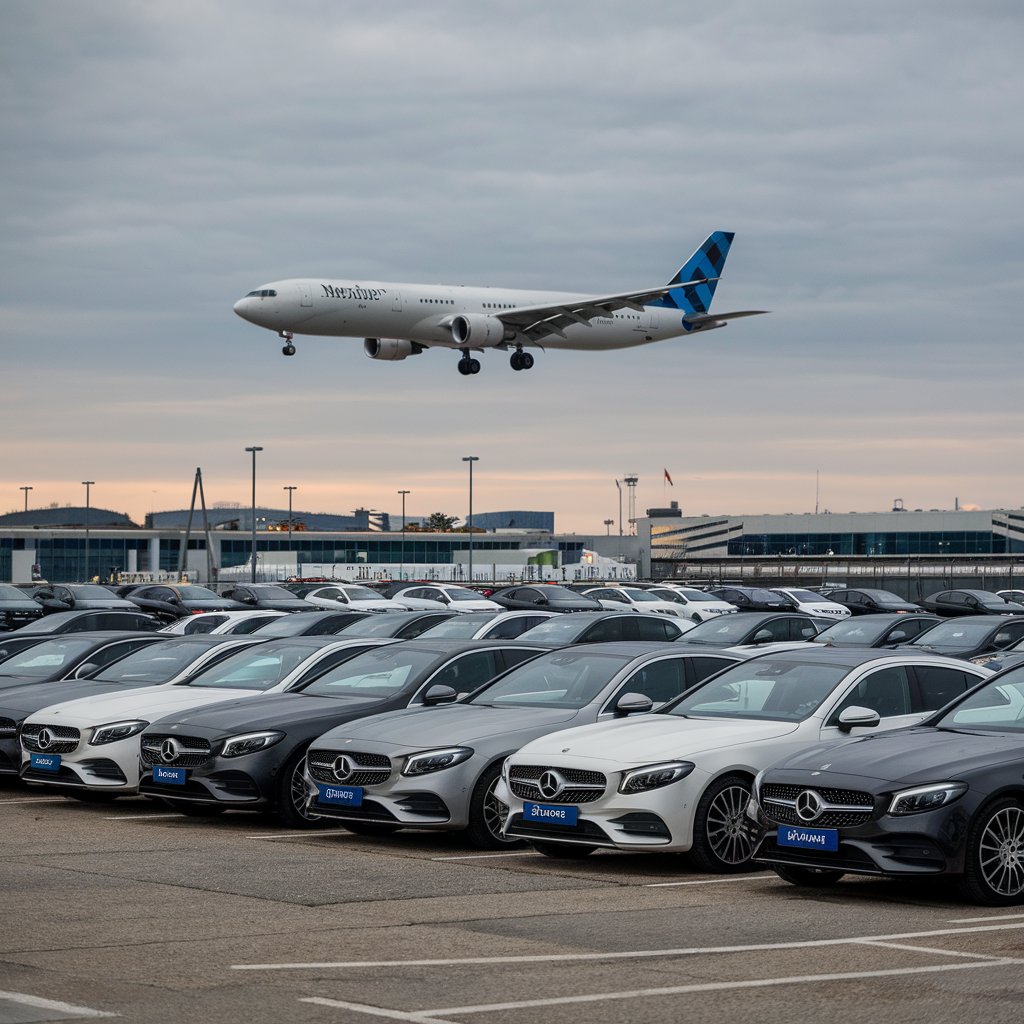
(809, 838)
(45, 762)
(170, 776)
(551, 814)
(342, 796)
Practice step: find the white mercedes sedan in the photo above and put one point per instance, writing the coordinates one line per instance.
(679, 780)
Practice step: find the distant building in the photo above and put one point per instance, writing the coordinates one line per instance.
(67, 518)
(238, 518)
(514, 521)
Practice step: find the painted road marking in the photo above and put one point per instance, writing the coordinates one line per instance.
(145, 817)
(487, 856)
(53, 1004)
(711, 881)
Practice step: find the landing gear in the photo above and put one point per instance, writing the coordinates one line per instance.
(468, 365)
(521, 360)
(288, 348)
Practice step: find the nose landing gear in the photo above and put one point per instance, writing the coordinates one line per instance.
(521, 360)
(288, 348)
(468, 365)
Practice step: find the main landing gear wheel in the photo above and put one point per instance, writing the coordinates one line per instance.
(521, 361)
(288, 349)
(468, 366)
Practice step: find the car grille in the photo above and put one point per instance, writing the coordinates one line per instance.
(842, 808)
(581, 787)
(191, 751)
(63, 740)
(368, 769)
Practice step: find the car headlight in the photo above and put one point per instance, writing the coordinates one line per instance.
(249, 743)
(116, 731)
(436, 760)
(506, 767)
(654, 776)
(926, 798)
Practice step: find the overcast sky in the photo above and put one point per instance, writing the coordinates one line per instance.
(161, 159)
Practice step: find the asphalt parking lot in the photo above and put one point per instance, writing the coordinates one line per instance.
(128, 910)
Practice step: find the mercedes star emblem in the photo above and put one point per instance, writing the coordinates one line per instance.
(809, 805)
(550, 785)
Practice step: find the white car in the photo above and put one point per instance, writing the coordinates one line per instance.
(220, 623)
(617, 599)
(350, 597)
(92, 745)
(679, 780)
(813, 604)
(696, 605)
(434, 597)
(487, 625)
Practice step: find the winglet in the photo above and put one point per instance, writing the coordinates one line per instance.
(705, 266)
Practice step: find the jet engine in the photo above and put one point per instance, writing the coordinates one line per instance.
(390, 349)
(477, 330)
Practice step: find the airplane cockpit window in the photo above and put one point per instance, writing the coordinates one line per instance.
(262, 293)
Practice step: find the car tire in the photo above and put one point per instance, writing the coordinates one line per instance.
(192, 810)
(563, 851)
(487, 814)
(994, 862)
(721, 843)
(807, 878)
(291, 791)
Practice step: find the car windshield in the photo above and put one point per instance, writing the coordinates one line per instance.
(955, 634)
(158, 663)
(360, 594)
(10, 593)
(384, 624)
(663, 594)
(462, 627)
(46, 658)
(998, 705)
(781, 690)
(91, 592)
(805, 595)
(461, 594)
(256, 668)
(641, 595)
(198, 594)
(560, 629)
(376, 673)
(721, 631)
(274, 594)
(852, 631)
(561, 679)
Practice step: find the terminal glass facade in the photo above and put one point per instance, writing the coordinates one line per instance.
(866, 544)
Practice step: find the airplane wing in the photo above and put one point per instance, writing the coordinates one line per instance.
(538, 322)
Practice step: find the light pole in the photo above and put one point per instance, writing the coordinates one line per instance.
(254, 449)
(401, 574)
(469, 521)
(608, 527)
(618, 485)
(289, 488)
(26, 490)
(87, 484)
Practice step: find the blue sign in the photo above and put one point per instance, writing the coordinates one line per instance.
(45, 762)
(344, 796)
(809, 838)
(551, 814)
(170, 776)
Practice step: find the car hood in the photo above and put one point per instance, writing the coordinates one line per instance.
(655, 737)
(28, 699)
(419, 728)
(901, 757)
(151, 702)
(268, 711)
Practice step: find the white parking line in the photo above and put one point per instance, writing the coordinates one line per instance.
(53, 1004)
(290, 835)
(145, 817)
(378, 1011)
(973, 920)
(628, 954)
(711, 881)
(488, 856)
(33, 800)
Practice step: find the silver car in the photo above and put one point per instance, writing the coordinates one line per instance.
(437, 768)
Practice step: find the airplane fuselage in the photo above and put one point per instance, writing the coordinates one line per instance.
(423, 313)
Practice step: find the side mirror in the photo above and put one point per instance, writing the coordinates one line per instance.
(633, 704)
(439, 694)
(83, 671)
(542, 600)
(855, 716)
(762, 636)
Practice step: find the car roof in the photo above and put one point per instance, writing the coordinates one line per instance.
(845, 657)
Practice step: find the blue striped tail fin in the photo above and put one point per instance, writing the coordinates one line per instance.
(705, 267)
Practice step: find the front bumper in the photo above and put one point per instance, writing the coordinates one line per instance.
(107, 767)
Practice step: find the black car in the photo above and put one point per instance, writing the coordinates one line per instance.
(941, 798)
(605, 627)
(547, 597)
(169, 659)
(170, 602)
(314, 623)
(867, 602)
(755, 628)
(876, 630)
(397, 625)
(970, 636)
(752, 599)
(268, 596)
(65, 597)
(249, 753)
(90, 620)
(17, 608)
(970, 602)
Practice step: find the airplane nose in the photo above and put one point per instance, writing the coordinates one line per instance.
(239, 307)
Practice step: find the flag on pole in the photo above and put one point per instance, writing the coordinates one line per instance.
(669, 479)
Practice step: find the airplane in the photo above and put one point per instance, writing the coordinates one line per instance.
(396, 321)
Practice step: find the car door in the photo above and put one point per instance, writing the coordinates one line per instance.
(936, 685)
(607, 631)
(464, 673)
(107, 655)
(887, 689)
(652, 627)
(661, 681)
